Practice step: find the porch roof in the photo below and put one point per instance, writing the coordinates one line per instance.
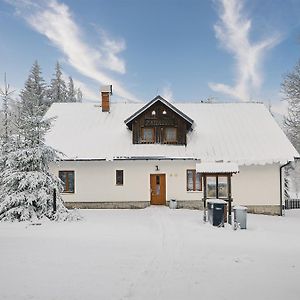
(217, 167)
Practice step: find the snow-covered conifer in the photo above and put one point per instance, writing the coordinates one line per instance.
(4, 132)
(78, 95)
(5, 94)
(71, 92)
(27, 181)
(57, 91)
(36, 83)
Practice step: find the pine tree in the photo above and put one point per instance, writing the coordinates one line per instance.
(6, 97)
(5, 132)
(57, 91)
(27, 181)
(291, 91)
(78, 95)
(71, 93)
(36, 82)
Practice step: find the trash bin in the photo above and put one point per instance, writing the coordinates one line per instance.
(216, 211)
(173, 204)
(240, 217)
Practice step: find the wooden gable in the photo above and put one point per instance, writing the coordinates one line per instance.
(159, 122)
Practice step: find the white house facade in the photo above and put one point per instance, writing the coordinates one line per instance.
(129, 155)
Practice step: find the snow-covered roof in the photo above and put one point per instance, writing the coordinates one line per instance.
(244, 133)
(217, 167)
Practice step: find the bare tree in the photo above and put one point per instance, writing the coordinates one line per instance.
(291, 91)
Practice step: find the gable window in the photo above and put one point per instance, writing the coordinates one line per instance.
(170, 135)
(119, 177)
(67, 177)
(193, 180)
(217, 186)
(148, 135)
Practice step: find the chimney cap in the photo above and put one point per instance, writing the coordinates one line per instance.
(107, 88)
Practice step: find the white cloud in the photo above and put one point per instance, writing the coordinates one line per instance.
(55, 21)
(233, 33)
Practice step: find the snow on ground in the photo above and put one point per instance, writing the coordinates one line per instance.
(153, 253)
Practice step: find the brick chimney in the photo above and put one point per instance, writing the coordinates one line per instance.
(106, 91)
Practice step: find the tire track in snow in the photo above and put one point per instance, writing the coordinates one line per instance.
(151, 282)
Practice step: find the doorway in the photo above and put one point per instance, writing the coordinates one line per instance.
(158, 189)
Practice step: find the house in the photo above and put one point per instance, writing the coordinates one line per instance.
(132, 155)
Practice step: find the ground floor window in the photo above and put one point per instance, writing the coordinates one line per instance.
(193, 180)
(119, 177)
(67, 177)
(217, 186)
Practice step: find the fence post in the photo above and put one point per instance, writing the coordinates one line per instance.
(54, 201)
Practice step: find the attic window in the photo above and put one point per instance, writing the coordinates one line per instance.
(148, 135)
(153, 113)
(170, 135)
(164, 112)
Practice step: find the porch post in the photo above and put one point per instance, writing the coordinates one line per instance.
(204, 199)
(229, 199)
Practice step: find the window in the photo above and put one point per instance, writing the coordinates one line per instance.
(217, 186)
(222, 187)
(211, 184)
(148, 135)
(170, 135)
(119, 177)
(193, 181)
(67, 177)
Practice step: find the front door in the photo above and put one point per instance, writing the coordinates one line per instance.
(158, 189)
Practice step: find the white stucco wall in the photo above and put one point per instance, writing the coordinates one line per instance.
(95, 181)
(257, 185)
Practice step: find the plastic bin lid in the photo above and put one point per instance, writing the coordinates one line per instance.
(239, 207)
(216, 201)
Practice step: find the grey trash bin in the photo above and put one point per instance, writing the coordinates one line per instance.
(240, 216)
(173, 204)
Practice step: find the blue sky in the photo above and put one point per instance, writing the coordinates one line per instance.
(185, 50)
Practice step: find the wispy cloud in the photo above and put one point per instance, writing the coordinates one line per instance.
(55, 21)
(233, 31)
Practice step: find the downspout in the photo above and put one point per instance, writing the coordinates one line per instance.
(280, 170)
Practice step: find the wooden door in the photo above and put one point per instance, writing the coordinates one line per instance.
(158, 189)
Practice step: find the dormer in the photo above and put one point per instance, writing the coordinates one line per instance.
(159, 122)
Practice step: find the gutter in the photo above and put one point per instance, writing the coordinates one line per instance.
(280, 171)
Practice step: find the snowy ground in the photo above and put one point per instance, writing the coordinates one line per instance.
(154, 253)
